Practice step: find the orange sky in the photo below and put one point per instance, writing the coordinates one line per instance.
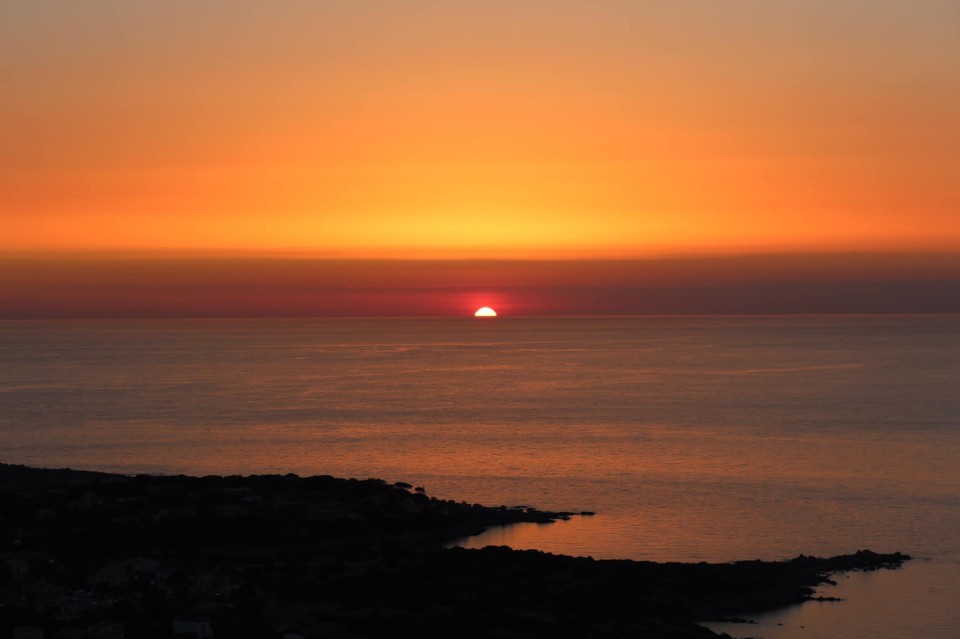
(542, 129)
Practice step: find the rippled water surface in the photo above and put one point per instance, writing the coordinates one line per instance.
(693, 439)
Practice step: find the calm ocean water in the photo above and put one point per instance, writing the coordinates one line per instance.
(694, 439)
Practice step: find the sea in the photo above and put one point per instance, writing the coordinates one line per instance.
(691, 438)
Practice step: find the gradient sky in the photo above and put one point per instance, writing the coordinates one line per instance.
(374, 132)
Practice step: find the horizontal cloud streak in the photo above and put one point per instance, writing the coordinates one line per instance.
(51, 287)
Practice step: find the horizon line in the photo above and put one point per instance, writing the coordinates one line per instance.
(485, 320)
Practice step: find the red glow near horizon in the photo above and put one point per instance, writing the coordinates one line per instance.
(815, 283)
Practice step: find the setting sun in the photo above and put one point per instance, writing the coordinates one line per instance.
(241, 241)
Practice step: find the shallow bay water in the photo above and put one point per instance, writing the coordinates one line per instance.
(694, 439)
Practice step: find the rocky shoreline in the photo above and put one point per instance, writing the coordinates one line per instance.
(106, 556)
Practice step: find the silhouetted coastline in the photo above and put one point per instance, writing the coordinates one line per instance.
(87, 554)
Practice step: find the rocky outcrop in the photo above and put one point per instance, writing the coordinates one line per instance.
(274, 556)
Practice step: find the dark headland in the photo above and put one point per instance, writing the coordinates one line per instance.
(86, 554)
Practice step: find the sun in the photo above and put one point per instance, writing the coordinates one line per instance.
(486, 311)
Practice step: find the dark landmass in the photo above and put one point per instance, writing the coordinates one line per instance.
(103, 556)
